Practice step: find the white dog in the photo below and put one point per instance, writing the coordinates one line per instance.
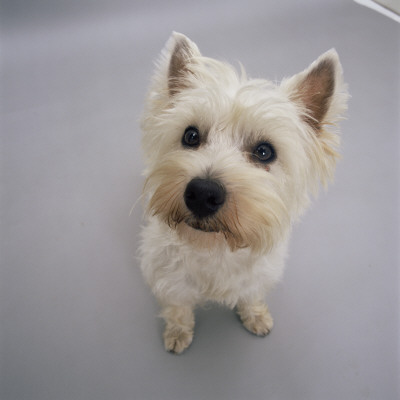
(230, 165)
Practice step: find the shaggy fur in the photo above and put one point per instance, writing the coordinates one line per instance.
(236, 254)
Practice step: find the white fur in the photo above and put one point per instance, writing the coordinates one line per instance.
(186, 267)
(181, 274)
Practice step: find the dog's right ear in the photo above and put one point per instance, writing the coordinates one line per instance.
(181, 53)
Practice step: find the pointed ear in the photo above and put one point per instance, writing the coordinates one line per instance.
(182, 54)
(319, 90)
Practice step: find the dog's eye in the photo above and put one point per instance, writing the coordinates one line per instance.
(191, 137)
(264, 152)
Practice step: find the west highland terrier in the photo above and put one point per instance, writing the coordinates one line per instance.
(231, 163)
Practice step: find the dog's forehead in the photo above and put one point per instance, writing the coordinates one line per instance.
(238, 110)
(249, 93)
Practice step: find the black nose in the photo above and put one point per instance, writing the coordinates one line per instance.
(203, 197)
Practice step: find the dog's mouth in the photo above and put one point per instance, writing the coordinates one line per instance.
(214, 230)
(201, 226)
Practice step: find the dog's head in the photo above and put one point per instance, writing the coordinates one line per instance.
(233, 160)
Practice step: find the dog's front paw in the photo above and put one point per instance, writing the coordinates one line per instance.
(256, 318)
(179, 325)
(176, 339)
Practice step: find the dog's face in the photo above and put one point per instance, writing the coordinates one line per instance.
(232, 160)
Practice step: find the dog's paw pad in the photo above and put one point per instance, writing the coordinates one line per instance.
(177, 340)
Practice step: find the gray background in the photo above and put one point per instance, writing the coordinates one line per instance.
(77, 322)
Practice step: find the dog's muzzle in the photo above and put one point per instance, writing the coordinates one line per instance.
(204, 197)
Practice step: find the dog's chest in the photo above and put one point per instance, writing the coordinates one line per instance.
(227, 277)
(178, 272)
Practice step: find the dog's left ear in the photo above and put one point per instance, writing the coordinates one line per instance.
(319, 91)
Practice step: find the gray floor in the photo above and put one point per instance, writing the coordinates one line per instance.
(77, 322)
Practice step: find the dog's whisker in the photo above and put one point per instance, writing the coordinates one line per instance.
(135, 203)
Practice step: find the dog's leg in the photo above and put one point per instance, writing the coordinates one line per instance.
(179, 324)
(255, 317)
